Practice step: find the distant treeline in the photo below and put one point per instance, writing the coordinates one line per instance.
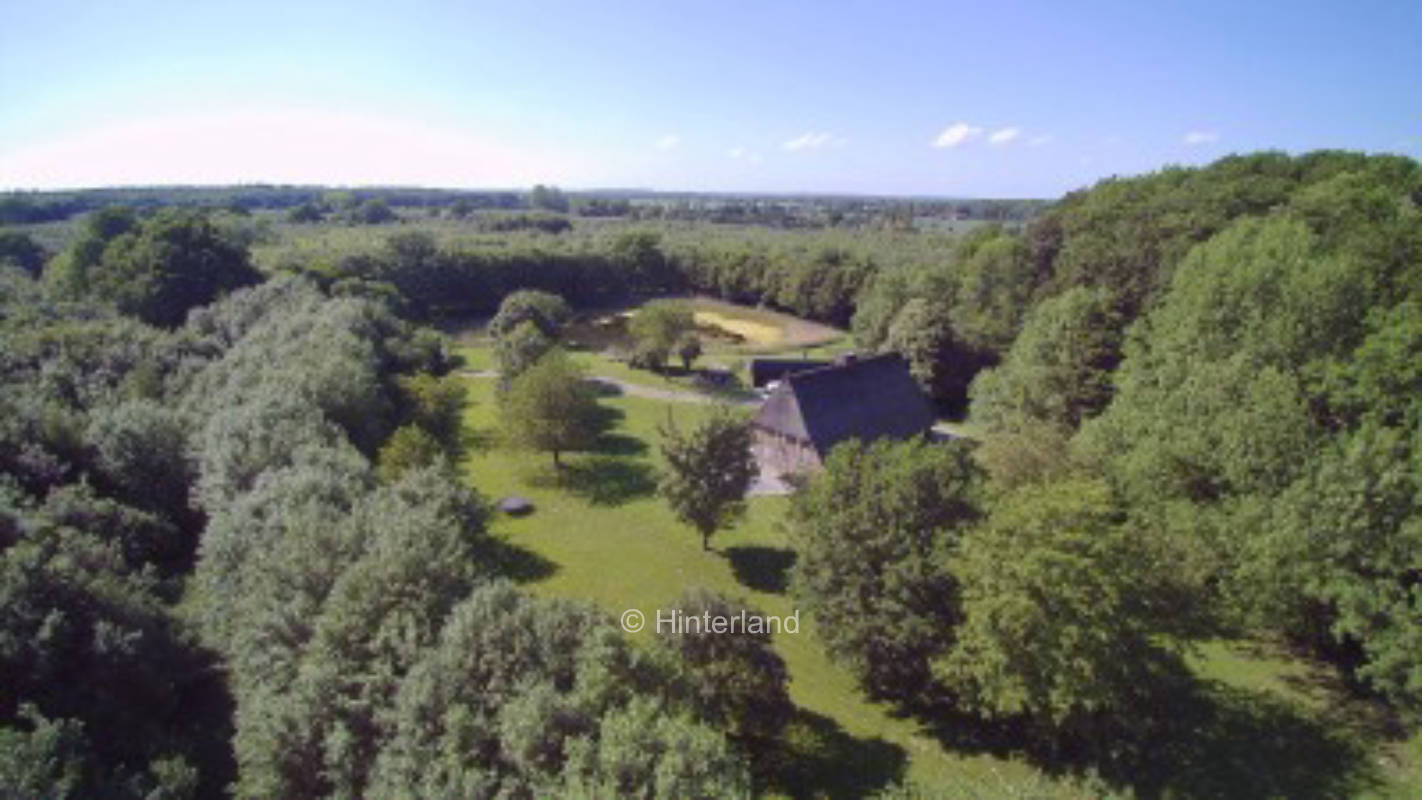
(18, 208)
(814, 275)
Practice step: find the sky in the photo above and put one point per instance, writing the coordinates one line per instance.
(980, 99)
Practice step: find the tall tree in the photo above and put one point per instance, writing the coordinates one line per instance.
(174, 261)
(709, 469)
(873, 533)
(546, 310)
(657, 326)
(736, 680)
(1058, 371)
(551, 407)
(22, 251)
(1061, 607)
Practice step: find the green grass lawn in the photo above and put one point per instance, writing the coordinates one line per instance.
(1265, 724)
(600, 533)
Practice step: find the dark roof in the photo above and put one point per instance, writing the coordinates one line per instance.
(765, 370)
(865, 398)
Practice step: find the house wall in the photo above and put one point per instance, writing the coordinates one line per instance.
(778, 454)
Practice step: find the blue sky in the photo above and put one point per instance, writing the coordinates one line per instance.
(934, 98)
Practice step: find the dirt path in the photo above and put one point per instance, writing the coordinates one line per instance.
(633, 389)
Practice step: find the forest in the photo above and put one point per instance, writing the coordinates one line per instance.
(241, 553)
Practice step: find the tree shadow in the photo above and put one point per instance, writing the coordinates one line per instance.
(607, 443)
(478, 440)
(519, 564)
(1185, 739)
(601, 480)
(1221, 741)
(764, 569)
(619, 445)
(816, 758)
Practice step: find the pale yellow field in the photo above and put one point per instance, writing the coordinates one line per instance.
(756, 333)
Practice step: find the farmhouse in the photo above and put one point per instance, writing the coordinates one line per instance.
(812, 411)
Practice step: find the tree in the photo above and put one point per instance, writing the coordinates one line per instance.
(19, 249)
(174, 261)
(1058, 371)
(922, 334)
(528, 697)
(640, 254)
(1061, 609)
(737, 681)
(520, 349)
(548, 311)
(551, 407)
(550, 198)
(305, 213)
(873, 533)
(996, 281)
(688, 349)
(658, 325)
(709, 469)
(70, 273)
(141, 456)
(372, 212)
(436, 405)
(409, 447)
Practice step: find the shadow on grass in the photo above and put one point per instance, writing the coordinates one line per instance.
(600, 480)
(1199, 740)
(1222, 741)
(816, 758)
(519, 564)
(478, 440)
(619, 445)
(764, 569)
(608, 443)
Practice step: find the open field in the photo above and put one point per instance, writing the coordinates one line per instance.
(776, 332)
(764, 330)
(600, 533)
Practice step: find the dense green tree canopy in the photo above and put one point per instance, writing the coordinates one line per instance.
(170, 263)
(551, 407)
(1060, 608)
(873, 534)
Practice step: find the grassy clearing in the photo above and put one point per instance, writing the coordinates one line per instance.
(764, 331)
(752, 331)
(599, 533)
(1264, 723)
(756, 333)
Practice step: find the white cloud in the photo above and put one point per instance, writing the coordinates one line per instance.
(1200, 137)
(668, 142)
(1003, 136)
(811, 140)
(736, 152)
(956, 134)
(1038, 141)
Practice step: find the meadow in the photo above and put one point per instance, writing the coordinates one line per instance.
(600, 533)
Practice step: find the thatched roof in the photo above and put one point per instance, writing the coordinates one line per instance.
(864, 398)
